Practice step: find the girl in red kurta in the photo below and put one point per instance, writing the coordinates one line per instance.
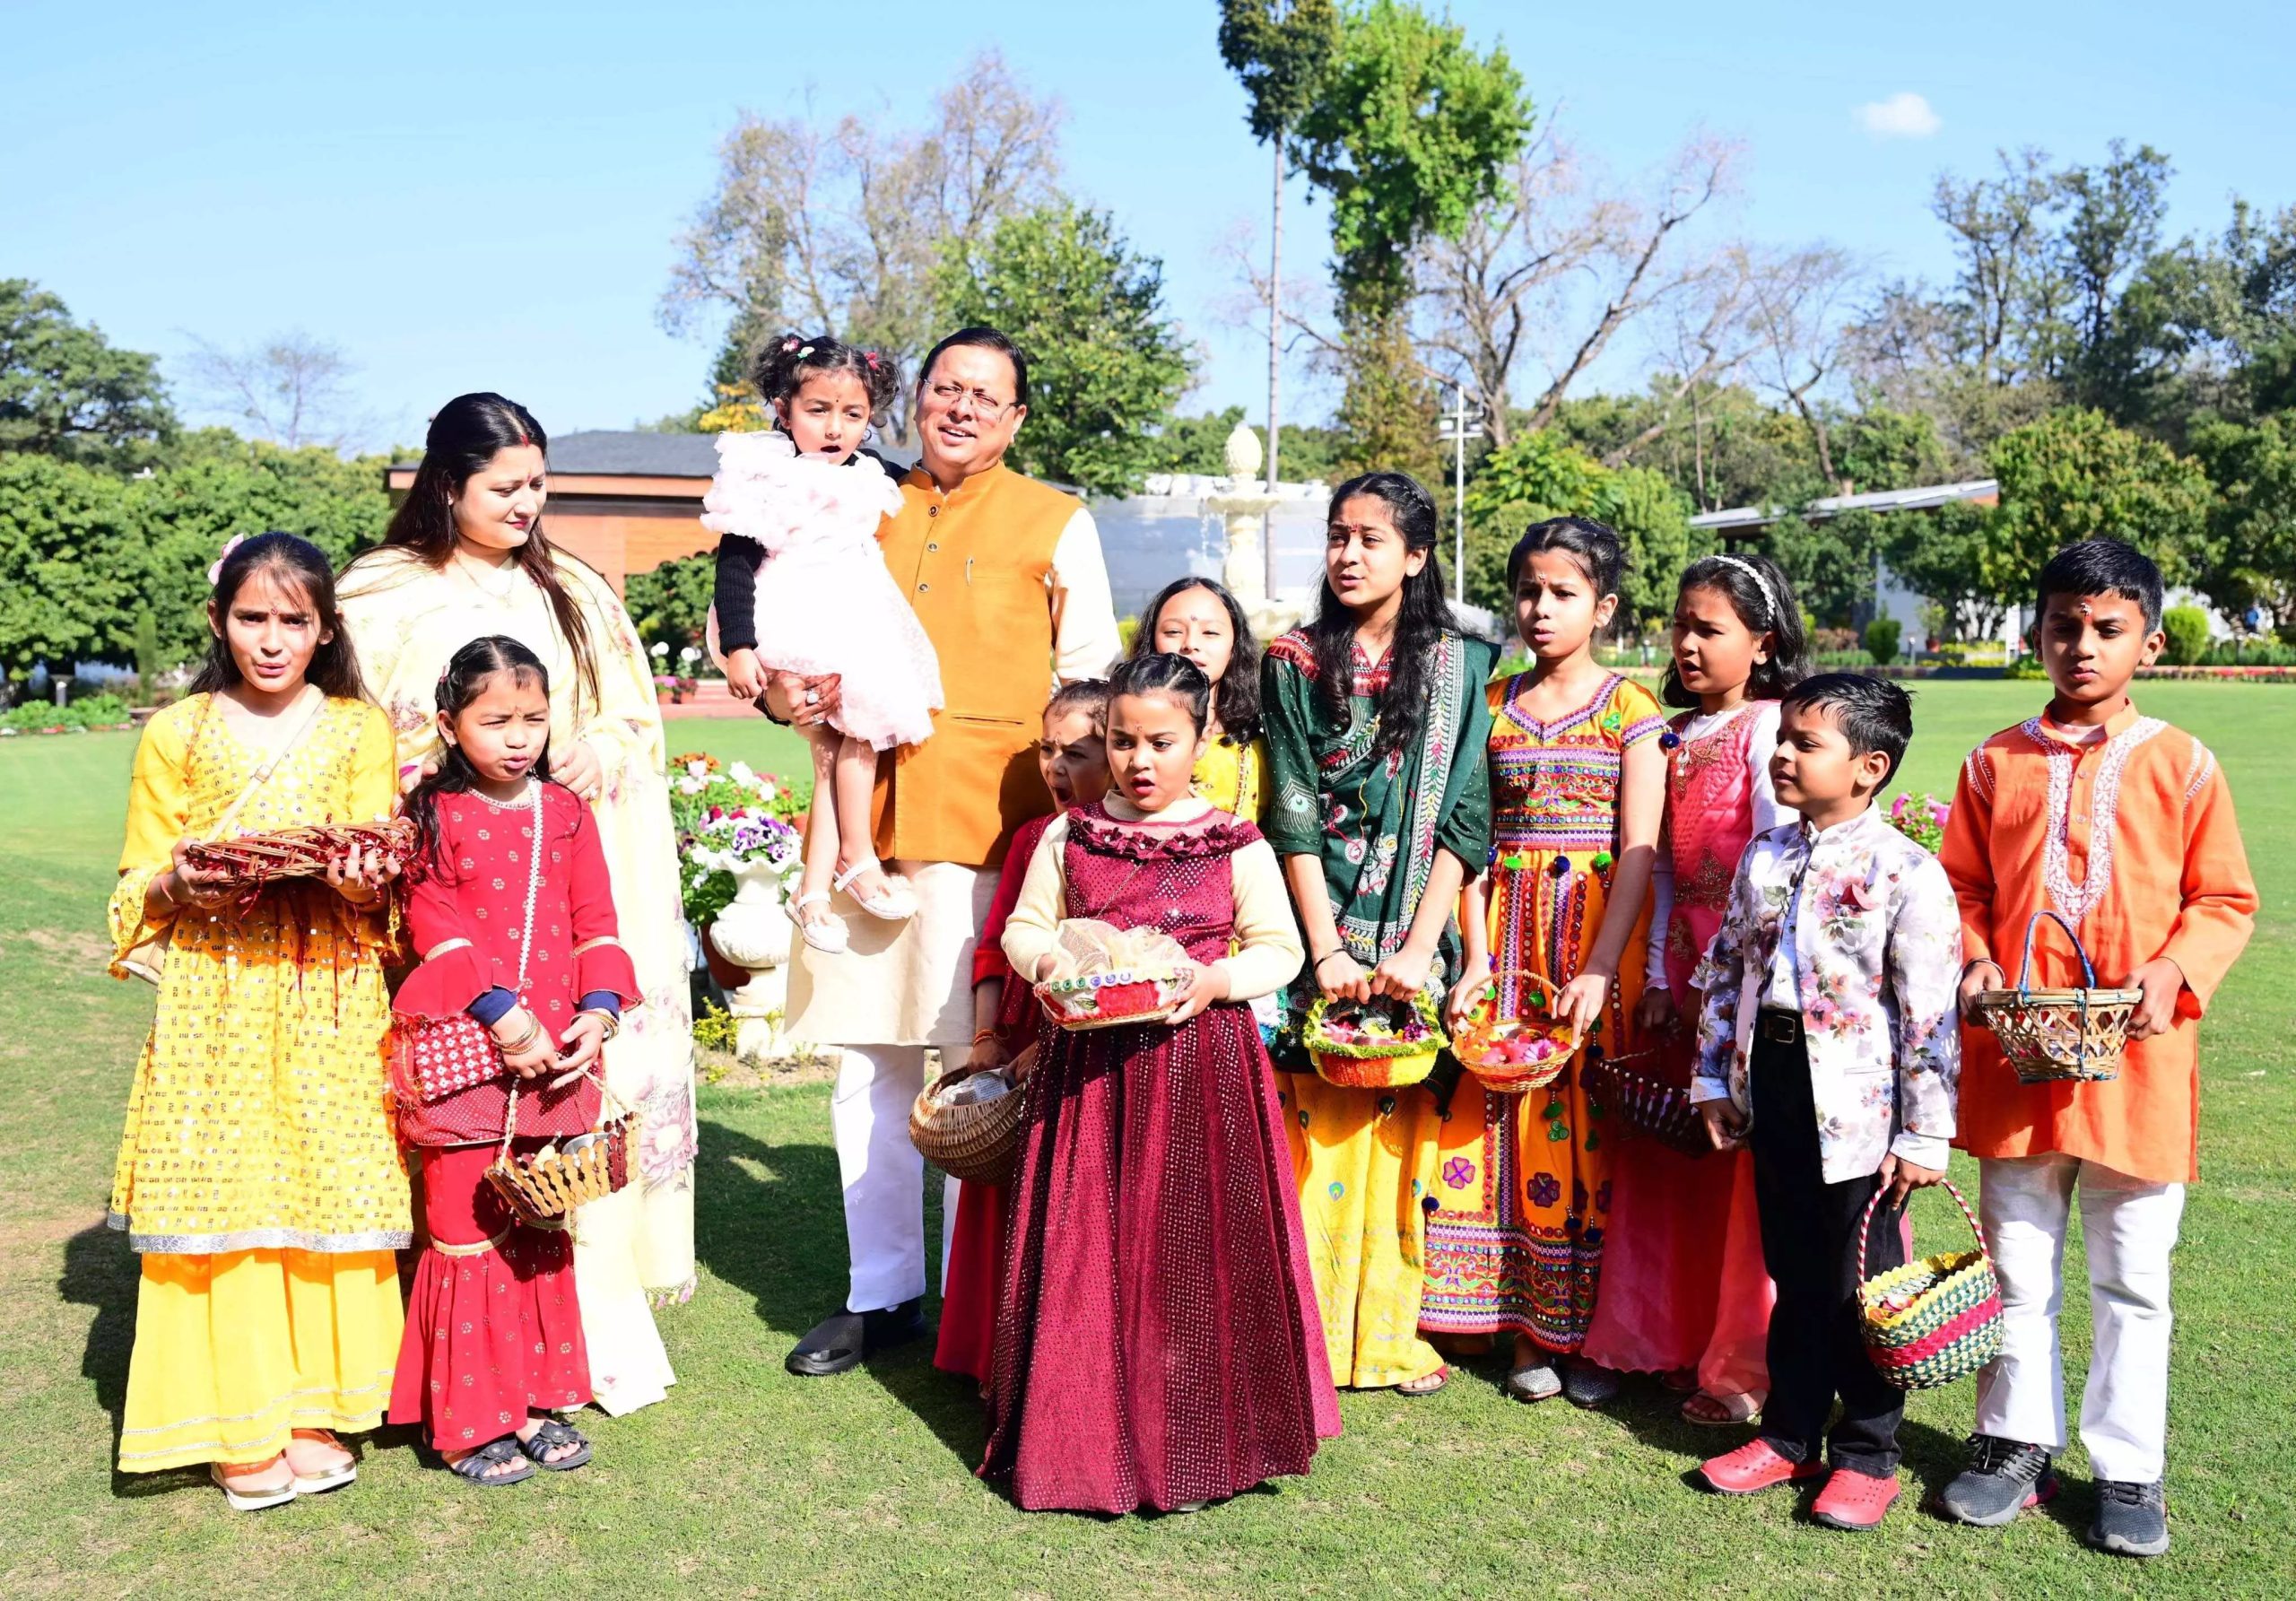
(512, 910)
(1684, 1292)
(1073, 757)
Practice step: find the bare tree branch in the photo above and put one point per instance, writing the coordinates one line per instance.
(291, 388)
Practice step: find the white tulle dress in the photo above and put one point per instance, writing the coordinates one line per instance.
(825, 602)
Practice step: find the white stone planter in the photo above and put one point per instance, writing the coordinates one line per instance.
(754, 932)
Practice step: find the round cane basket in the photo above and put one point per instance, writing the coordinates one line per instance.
(1378, 1044)
(978, 1142)
(1935, 1319)
(1486, 1040)
(2058, 1036)
(542, 1188)
(1632, 1088)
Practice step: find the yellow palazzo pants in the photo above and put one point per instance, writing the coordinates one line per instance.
(235, 1351)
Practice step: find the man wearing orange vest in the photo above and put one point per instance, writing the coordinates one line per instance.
(1006, 576)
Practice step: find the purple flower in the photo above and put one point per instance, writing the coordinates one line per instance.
(1458, 1172)
(1546, 1189)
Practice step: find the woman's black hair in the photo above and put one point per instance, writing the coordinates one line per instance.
(1425, 618)
(1764, 602)
(1594, 545)
(300, 567)
(469, 432)
(1162, 673)
(463, 682)
(981, 338)
(780, 369)
(1236, 693)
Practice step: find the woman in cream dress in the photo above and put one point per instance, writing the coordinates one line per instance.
(466, 556)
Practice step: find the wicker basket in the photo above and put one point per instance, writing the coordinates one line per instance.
(1630, 1088)
(1111, 1000)
(1378, 1044)
(542, 1188)
(978, 1143)
(1486, 1040)
(2058, 1036)
(1935, 1319)
(254, 860)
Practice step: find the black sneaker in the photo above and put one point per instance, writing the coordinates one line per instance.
(2003, 1477)
(2132, 1519)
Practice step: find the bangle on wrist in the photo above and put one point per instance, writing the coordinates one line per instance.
(1328, 955)
(980, 1036)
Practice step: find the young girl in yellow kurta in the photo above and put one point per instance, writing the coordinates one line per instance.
(1198, 619)
(259, 1177)
(1577, 789)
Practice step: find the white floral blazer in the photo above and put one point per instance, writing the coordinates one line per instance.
(1877, 959)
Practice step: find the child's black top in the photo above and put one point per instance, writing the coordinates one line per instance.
(734, 593)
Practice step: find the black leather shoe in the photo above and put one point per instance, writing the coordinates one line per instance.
(844, 1339)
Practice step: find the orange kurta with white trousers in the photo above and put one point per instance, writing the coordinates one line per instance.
(2130, 837)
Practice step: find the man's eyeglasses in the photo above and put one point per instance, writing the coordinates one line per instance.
(984, 406)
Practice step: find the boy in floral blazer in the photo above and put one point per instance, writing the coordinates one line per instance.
(1829, 1045)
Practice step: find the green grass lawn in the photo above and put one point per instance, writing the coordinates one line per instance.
(750, 1482)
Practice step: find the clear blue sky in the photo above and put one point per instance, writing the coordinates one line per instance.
(484, 196)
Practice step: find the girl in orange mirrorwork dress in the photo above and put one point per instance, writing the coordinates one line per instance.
(258, 1180)
(1522, 1191)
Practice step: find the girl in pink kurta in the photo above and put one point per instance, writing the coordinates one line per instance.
(1684, 1293)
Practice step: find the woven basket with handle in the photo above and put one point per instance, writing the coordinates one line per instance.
(979, 1142)
(1632, 1088)
(1513, 1056)
(543, 1186)
(1935, 1319)
(1378, 1044)
(2058, 1036)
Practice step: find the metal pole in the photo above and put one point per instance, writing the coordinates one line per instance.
(1274, 362)
(1459, 496)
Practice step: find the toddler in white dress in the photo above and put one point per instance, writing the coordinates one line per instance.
(801, 588)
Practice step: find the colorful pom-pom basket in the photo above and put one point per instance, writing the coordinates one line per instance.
(2058, 1036)
(1378, 1044)
(1486, 1040)
(1935, 1321)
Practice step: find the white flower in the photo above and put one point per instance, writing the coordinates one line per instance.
(697, 768)
(740, 774)
(661, 649)
(688, 655)
(689, 785)
(766, 791)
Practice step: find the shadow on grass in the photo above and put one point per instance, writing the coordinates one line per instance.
(101, 1272)
(782, 1238)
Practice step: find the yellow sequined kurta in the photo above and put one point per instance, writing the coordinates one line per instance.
(1233, 777)
(1522, 1184)
(405, 619)
(259, 1174)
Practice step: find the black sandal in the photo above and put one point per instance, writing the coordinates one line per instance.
(494, 1453)
(550, 1434)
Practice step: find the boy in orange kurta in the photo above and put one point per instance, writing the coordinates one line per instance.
(2123, 826)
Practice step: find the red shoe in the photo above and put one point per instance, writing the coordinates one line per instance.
(1753, 1467)
(1854, 1501)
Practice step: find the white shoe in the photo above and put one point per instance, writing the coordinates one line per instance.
(897, 904)
(253, 1500)
(827, 932)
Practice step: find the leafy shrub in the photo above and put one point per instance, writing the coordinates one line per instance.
(1880, 641)
(2188, 631)
(103, 711)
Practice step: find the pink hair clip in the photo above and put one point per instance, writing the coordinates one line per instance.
(215, 572)
(870, 356)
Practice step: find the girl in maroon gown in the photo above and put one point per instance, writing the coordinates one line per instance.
(1159, 1344)
(525, 943)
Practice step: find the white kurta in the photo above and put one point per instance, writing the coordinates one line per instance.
(406, 620)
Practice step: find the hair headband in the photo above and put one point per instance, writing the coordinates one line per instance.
(1769, 601)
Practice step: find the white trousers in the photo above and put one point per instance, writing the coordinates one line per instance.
(883, 1176)
(2129, 1228)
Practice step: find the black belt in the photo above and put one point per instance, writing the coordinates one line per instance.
(1784, 1027)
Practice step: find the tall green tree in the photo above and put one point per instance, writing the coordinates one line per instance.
(2073, 476)
(67, 391)
(1106, 362)
(1412, 128)
(67, 575)
(2252, 547)
(1282, 49)
(1537, 476)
